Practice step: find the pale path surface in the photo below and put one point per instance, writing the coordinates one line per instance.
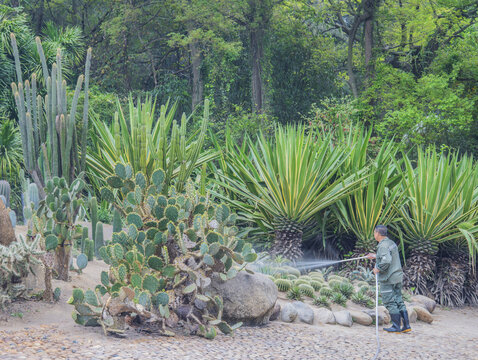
(47, 331)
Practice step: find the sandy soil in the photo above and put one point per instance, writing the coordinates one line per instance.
(47, 331)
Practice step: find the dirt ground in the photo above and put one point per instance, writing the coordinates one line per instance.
(38, 330)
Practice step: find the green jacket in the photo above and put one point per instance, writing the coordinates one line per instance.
(388, 262)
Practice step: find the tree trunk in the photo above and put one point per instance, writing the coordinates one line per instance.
(257, 53)
(63, 261)
(197, 85)
(288, 243)
(39, 17)
(48, 293)
(368, 39)
(350, 65)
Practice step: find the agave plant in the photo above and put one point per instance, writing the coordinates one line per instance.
(147, 145)
(283, 184)
(435, 212)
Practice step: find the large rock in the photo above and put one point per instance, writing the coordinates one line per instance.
(288, 313)
(323, 316)
(275, 314)
(422, 313)
(343, 318)
(361, 318)
(249, 298)
(427, 303)
(305, 312)
(386, 315)
(412, 314)
(371, 313)
(7, 234)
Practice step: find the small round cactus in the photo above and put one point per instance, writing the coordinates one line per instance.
(307, 290)
(283, 285)
(326, 291)
(301, 281)
(316, 284)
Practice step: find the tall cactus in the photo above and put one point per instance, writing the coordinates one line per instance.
(47, 127)
(94, 216)
(117, 223)
(99, 240)
(5, 191)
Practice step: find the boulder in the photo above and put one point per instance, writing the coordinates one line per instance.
(343, 318)
(361, 318)
(249, 298)
(427, 303)
(275, 314)
(323, 316)
(7, 234)
(412, 314)
(305, 312)
(422, 313)
(288, 313)
(386, 315)
(371, 313)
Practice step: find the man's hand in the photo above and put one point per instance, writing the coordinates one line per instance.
(376, 271)
(371, 256)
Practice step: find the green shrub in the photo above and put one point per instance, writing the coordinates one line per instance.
(321, 301)
(294, 293)
(339, 299)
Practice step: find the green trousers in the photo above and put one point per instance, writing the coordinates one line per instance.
(392, 297)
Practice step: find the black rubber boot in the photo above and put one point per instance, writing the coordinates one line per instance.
(406, 323)
(395, 324)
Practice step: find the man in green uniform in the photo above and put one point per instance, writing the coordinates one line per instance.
(390, 276)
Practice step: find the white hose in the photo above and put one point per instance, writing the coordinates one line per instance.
(376, 318)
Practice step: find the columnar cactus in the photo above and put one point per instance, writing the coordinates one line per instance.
(93, 205)
(5, 191)
(165, 259)
(99, 240)
(117, 223)
(47, 126)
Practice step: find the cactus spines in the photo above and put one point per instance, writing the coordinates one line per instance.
(99, 241)
(283, 285)
(326, 291)
(316, 284)
(5, 191)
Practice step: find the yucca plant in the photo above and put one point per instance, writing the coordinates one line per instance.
(434, 212)
(374, 202)
(282, 184)
(137, 139)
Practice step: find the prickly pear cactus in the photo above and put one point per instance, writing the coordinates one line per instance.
(162, 264)
(58, 214)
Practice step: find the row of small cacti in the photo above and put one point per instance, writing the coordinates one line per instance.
(337, 289)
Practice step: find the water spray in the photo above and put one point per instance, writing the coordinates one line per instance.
(315, 264)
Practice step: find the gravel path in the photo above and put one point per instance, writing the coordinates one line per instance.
(276, 341)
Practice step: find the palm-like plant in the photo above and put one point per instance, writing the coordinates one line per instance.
(374, 202)
(438, 208)
(282, 184)
(147, 145)
(11, 158)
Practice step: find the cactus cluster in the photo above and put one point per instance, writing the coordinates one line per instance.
(173, 244)
(15, 263)
(57, 215)
(306, 290)
(47, 126)
(5, 191)
(283, 285)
